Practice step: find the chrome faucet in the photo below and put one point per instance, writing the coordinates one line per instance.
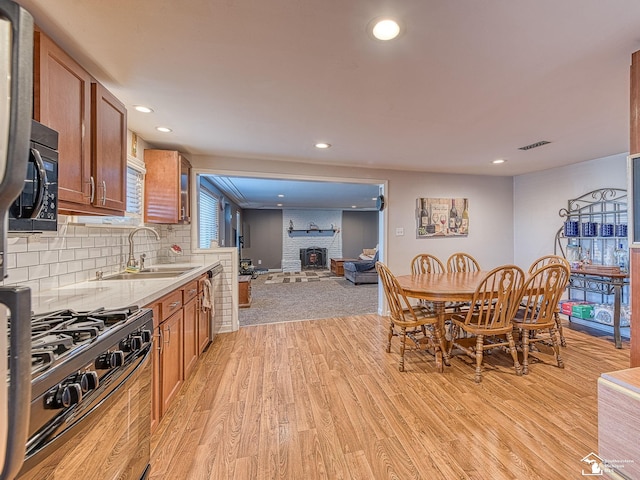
(131, 261)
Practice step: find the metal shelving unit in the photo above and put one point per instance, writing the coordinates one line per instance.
(595, 225)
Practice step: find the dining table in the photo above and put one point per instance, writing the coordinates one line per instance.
(440, 288)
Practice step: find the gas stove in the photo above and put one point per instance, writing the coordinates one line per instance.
(82, 362)
(57, 335)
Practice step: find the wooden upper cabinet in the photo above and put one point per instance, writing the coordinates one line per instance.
(166, 187)
(92, 132)
(634, 124)
(109, 154)
(62, 101)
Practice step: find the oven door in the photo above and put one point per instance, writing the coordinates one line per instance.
(108, 438)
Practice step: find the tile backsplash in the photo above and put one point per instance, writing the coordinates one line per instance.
(76, 252)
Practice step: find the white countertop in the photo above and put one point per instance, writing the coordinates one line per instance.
(94, 294)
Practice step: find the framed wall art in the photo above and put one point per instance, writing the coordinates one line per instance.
(442, 217)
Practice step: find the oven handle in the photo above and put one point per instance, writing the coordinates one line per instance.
(18, 300)
(42, 183)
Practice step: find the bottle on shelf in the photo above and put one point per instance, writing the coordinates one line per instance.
(622, 259)
(453, 215)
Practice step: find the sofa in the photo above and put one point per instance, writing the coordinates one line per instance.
(362, 271)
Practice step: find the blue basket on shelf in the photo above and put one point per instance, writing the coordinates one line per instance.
(571, 229)
(589, 229)
(606, 230)
(621, 230)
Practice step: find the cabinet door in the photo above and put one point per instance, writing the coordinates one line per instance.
(161, 187)
(190, 336)
(171, 359)
(185, 189)
(109, 141)
(156, 393)
(62, 101)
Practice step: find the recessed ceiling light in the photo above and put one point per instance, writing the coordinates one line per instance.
(281, 195)
(322, 145)
(143, 109)
(164, 129)
(385, 29)
(278, 205)
(354, 206)
(499, 160)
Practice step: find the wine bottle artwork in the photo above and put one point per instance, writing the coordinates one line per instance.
(442, 217)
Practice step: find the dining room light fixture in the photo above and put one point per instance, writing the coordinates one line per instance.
(143, 109)
(164, 129)
(322, 145)
(385, 29)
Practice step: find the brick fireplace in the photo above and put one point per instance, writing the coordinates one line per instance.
(293, 243)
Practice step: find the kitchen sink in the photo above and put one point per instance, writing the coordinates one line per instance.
(149, 273)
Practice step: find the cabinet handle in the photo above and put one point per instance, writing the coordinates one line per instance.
(192, 291)
(92, 194)
(161, 340)
(168, 336)
(174, 304)
(184, 212)
(104, 193)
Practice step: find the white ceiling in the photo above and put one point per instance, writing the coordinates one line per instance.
(468, 81)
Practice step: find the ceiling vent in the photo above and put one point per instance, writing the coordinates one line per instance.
(534, 145)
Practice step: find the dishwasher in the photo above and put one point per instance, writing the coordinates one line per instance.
(215, 277)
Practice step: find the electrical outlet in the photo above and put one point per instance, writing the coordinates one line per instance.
(399, 232)
(259, 262)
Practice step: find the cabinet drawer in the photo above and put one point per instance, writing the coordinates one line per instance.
(171, 304)
(189, 291)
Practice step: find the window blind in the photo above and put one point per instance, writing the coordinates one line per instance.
(135, 182)
(208, 217)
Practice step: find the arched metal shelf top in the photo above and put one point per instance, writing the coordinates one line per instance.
(594, 200)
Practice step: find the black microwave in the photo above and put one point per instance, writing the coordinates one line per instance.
(36, 209)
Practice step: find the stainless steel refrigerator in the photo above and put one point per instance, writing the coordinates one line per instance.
(16, 99)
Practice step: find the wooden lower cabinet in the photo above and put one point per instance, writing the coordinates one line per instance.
(171, 365)
(179, 338)
(190, 336)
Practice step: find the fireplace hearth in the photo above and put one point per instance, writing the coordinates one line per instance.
(313, 257)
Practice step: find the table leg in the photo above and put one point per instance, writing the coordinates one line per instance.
(443, 354)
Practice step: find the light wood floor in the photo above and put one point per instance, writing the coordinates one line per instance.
(322, 399)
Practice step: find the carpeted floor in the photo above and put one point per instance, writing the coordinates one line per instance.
(307, 300)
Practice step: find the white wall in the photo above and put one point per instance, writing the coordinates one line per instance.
(539, 196)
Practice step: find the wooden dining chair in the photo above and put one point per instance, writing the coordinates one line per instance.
(462, 262)
(407, 320)
(426, 263)
(541, 262)
(494, 304)
(540, 296)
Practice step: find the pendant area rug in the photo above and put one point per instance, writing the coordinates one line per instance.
(307, 300)
(297, 277)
